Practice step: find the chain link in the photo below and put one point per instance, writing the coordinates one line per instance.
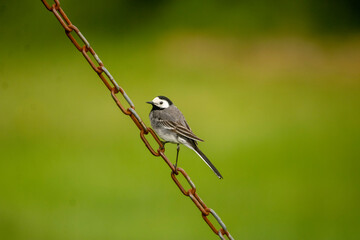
(114, 89)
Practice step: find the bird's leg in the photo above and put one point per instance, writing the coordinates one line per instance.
(163, 143)
(177, 155)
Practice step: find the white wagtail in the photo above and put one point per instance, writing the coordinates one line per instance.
(170, 124)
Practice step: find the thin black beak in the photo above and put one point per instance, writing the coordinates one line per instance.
(150, 103)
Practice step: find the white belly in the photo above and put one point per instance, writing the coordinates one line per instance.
(172, 137)
(166, 135)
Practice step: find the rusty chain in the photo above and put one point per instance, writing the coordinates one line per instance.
(114, 88)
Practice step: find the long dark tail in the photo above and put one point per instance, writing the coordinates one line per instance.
(207, 161)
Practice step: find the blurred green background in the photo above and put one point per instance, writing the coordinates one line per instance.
(272, 86)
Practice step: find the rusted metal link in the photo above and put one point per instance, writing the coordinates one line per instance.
(191, 192)
(113, 81)
(182, 189)
(61, 17)
(222, 232)
(221, 236)
(203, 205)
(63, 14)
(147, 144)
(114, 88)
(127, 98)
(90, 61)
(48, 6)
(137, 123)
(96, 56)
(210, 224)
(113, 94)
(80, 35)
(141, 125)
(167, 161)
(218, 219)
(57, 3)
(197, 203)
(107, 84)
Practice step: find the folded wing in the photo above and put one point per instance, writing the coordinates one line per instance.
(179, 129)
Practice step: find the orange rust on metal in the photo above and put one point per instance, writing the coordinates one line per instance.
(210, 224)
(60, 18)
(57, 2)
(147, 144)
(156, 138)
(47, 5)
(117, 101)
(199, 206)
(197, 203)
(203, 205)
(138, 124)
(72, 39)
(144, 130)
(223, 232)
(90, 61)
(182, 189)
(64, 16)
(167, 161)
(107, 84)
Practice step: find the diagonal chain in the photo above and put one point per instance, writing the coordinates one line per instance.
(114, 89)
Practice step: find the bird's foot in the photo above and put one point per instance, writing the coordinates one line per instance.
(175, 169)
(163, 145)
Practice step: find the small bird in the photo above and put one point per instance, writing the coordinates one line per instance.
(170, 124)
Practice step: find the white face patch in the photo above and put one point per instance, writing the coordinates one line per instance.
(161, 103)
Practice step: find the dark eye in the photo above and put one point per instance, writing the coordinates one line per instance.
(161, 103)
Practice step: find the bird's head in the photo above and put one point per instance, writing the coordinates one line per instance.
(161, 102)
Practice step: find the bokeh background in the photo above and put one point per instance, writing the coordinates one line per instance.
(272, 86)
